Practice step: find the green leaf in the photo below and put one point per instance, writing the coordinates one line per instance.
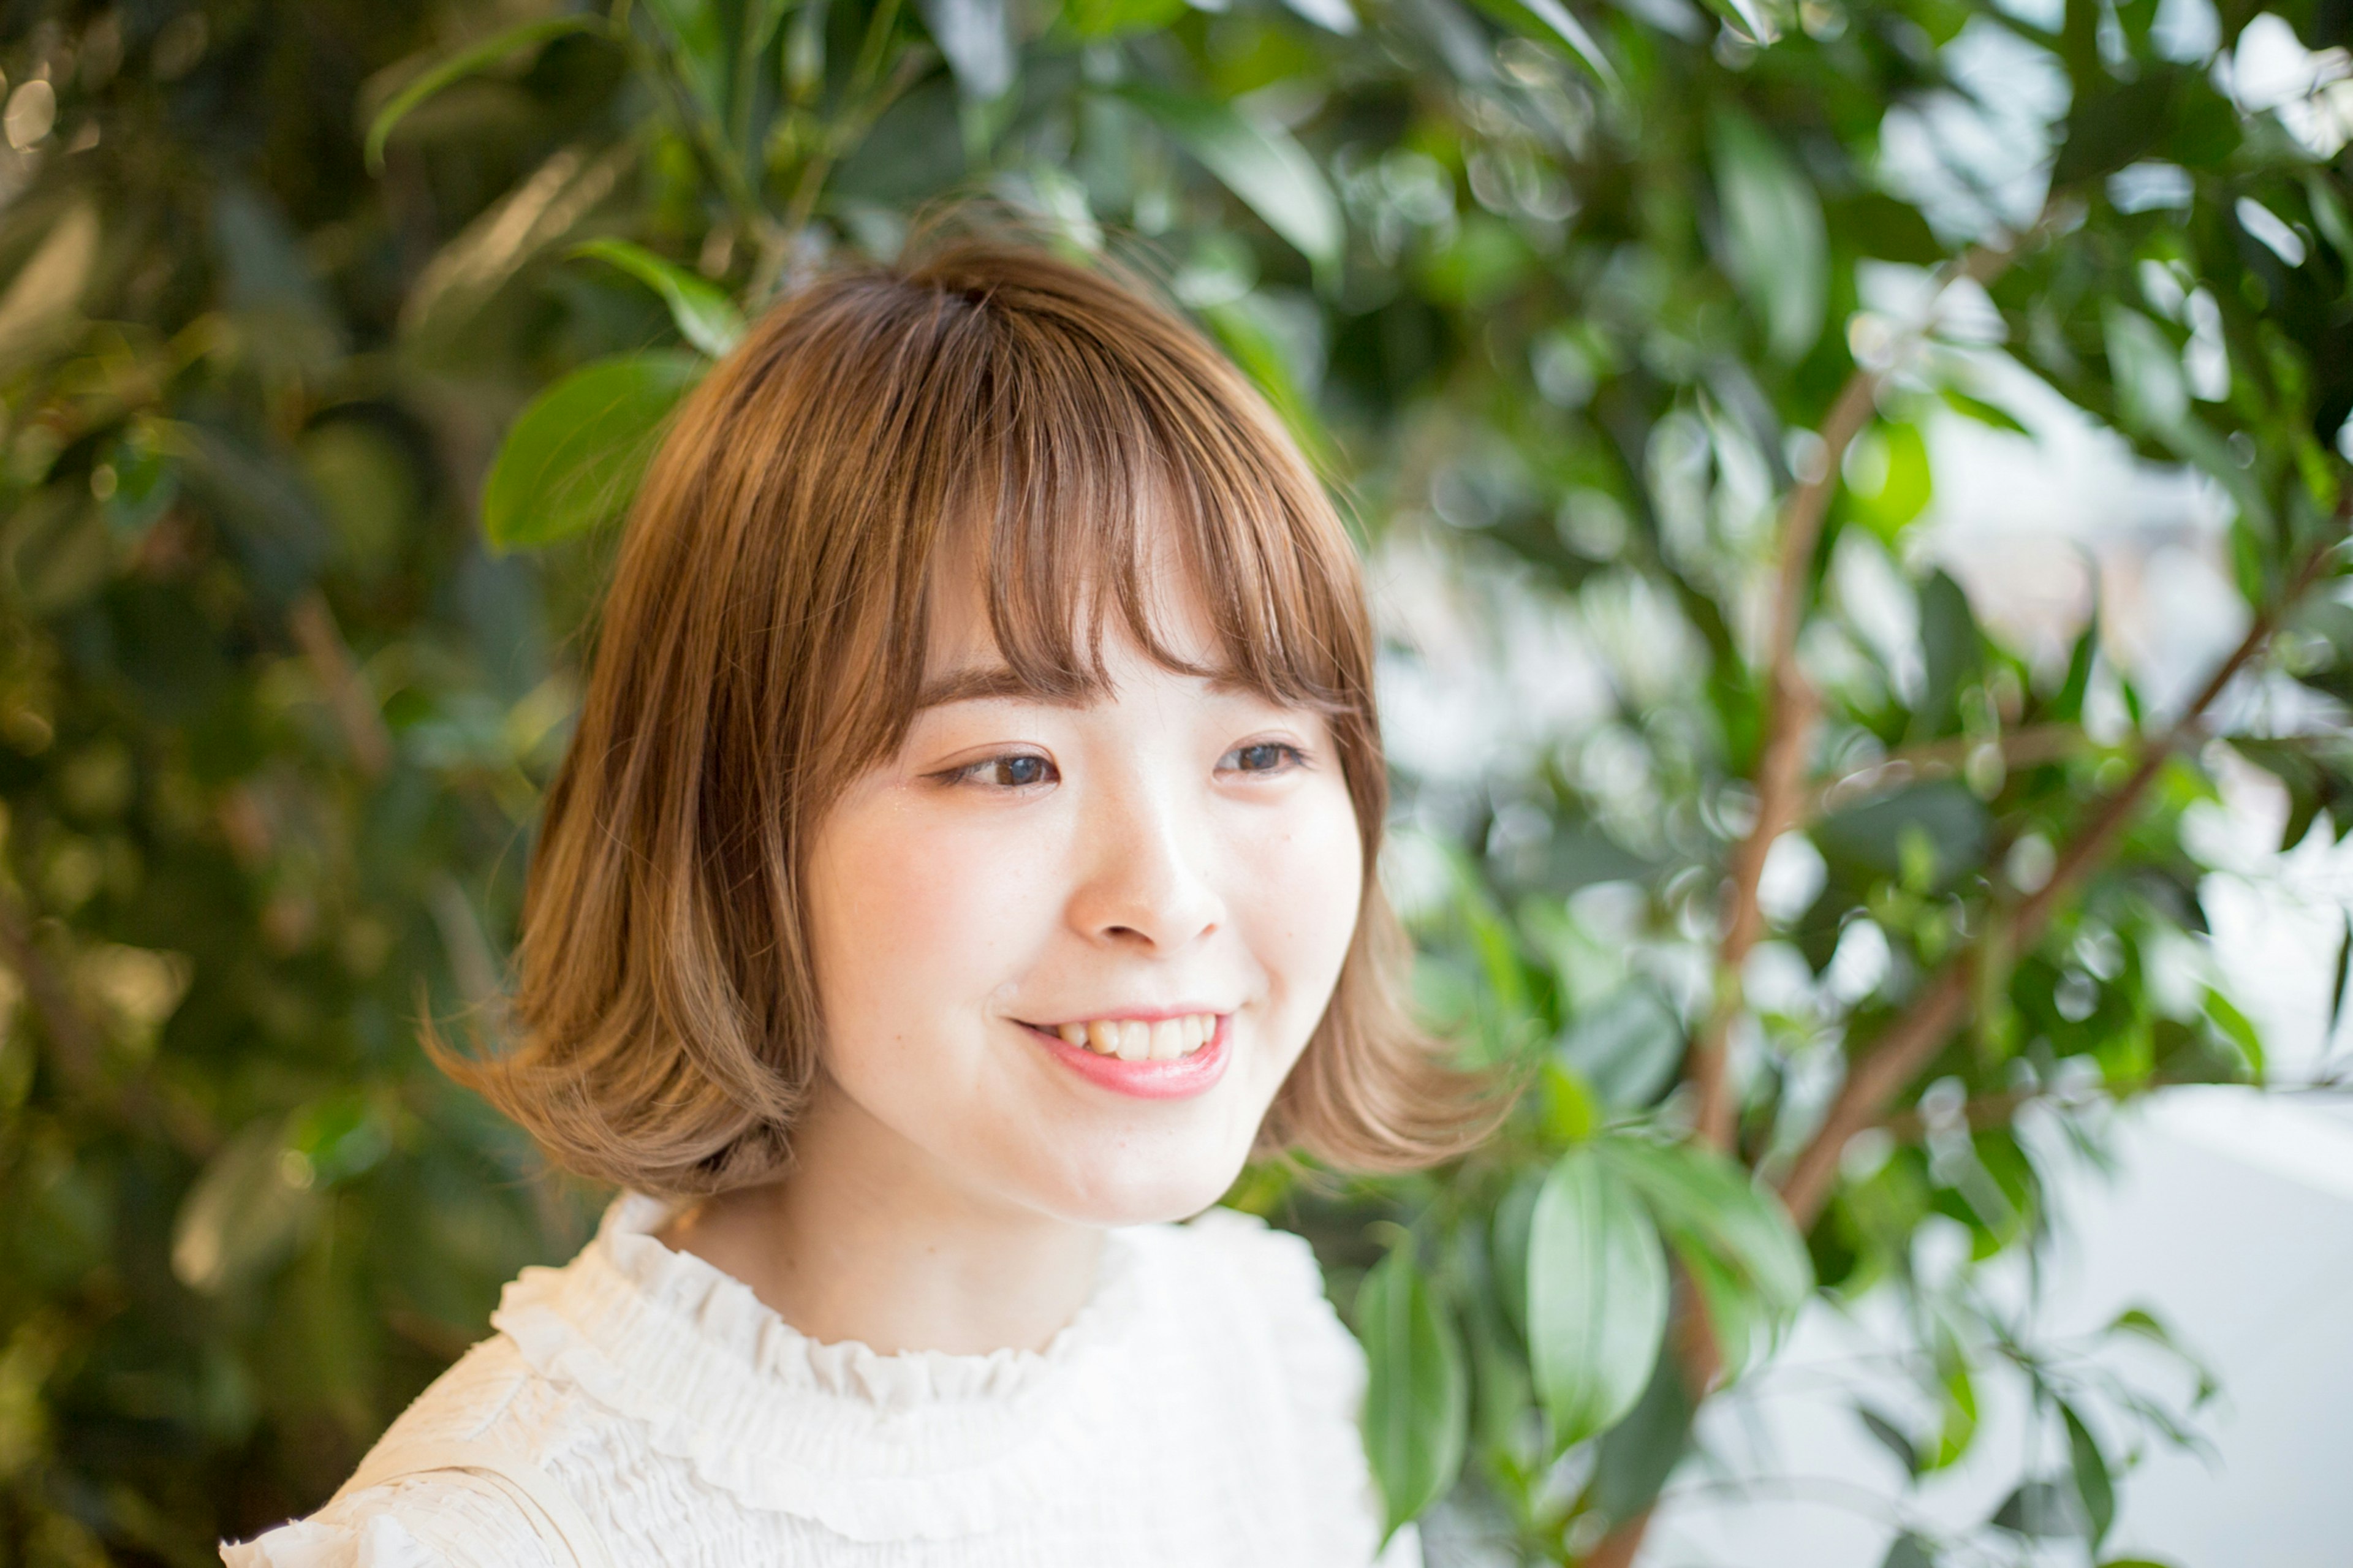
(2067, 706)
(1952, 650)
(761, 20)
(1110, 18)
(1700, 1193)
(2329, 215)
(574, 457)
(1509, 1232)
(1261, 163)
(1984, 413)
(1941, 816)
(1744, 1325)
(39, 310)
(1569, 1114)
(1891, 1436)
(1642, 1451)
(146, 486)
(1485, 262)
(2343, 972)
(977, 42)
(1958, 1428)
(2039, 1510)
(1909, 1551)
(704, 315)
(2193, 442)
(339, 1137)
(1417, 1399)
(1501, 1395)
(698, 49)
(2312, 785)
(2107, 130)
(2238, 1029)
(2095, 1489)
(465, 63)
(1776, 250)
(54, 551)
(1627, 1047)
(1893, 458)
(247, 1211)
(1596, 1296)
(1760, 21)
(1550, 17)
(804, 53)
(1491, 936)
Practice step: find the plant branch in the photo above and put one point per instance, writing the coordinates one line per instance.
(1792, 711)
(1907, 1046)
(750, 46)
(1985, 1112)
(866, 107)
(1618, 1548)
(2025, 748)
(846, 133)
(1989, 1110)
(1792, 708)
(704, 135)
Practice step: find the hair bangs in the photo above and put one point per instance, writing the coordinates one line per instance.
(1081, 488)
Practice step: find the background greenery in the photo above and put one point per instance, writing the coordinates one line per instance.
(1595, 297)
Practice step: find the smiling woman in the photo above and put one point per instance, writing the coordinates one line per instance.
(1166, 864)
(963, 864)
(995, 439)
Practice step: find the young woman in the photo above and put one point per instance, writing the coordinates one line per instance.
(964, 863)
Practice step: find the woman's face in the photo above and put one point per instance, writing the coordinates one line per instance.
(1066, 953)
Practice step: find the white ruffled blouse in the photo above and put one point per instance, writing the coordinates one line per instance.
(1200, 1410)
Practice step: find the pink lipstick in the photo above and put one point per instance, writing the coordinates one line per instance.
(1180, 1079)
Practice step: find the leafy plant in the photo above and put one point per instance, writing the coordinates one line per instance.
(333, 337)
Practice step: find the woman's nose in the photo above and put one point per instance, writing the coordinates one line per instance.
(1141, 882)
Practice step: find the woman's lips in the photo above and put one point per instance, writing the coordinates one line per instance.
(1176, 1077)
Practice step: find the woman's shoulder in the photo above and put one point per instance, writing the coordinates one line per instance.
(1266, 1345)
(1271, 1289)
(441, 1488)
(447, 1518)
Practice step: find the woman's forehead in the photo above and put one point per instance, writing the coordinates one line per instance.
(976, 671)
(1114, 590)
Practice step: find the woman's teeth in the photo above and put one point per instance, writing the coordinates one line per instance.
(1133, 1040)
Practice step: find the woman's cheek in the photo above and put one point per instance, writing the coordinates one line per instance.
(939, 909)
(1305, 884)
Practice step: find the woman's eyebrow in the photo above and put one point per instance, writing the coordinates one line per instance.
(977, 683)
(980, 682)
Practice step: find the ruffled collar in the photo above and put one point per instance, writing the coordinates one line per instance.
(722, 1312)
(875, 1447)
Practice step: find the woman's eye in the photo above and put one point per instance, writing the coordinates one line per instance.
(1019, 770)
(1263, 757)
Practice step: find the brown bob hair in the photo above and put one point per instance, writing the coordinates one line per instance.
(763, 643)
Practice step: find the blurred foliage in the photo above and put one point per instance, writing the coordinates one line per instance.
(317, 313)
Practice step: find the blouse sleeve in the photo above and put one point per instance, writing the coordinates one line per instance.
(445, 1520)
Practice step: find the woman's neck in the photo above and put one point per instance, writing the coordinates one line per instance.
(866, 1240)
